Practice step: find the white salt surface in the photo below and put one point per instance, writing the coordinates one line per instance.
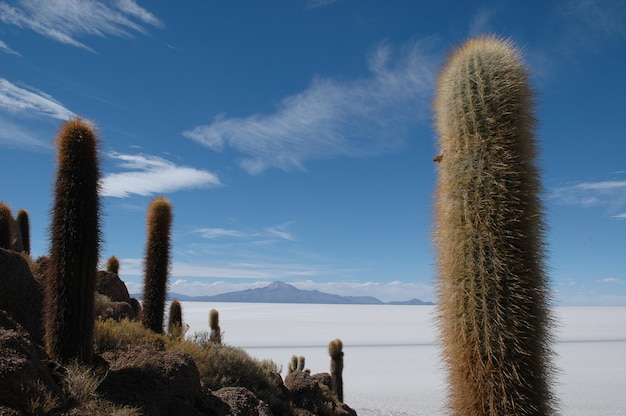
(391, 363)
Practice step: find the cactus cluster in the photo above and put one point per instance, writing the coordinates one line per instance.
(492, 310)
(75, 241)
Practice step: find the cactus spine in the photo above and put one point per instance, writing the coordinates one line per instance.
(5, 226)
(157, 263)
(335, 350)
(75, 240)
(175, 322)
(23, 225)
(113, 265)
(214, 324)
(492, 314)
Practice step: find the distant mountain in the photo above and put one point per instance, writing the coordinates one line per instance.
(279, 292)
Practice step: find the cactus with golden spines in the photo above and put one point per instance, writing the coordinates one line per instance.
(75, 242)
(493, 290)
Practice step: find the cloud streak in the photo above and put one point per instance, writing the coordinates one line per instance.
(66, 20)
(148, 175)
(332, 118)
(18, 100)
(588, 194)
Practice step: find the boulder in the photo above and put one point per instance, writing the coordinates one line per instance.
(309, 397)
(159, 382)
(242, 402)
(26, 385)
(22, 294)
(111, 285)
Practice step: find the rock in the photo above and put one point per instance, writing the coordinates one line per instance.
(309, 397)
(159, 382)
(242, 402)
(22, 294)
(26, 385)
(111, 285)
(305, 391)
(108, 309)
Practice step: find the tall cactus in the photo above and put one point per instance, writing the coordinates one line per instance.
(5, 226)
(335, 350)
(157, 263)
(492, 311)
(23, 225)
(75, 240)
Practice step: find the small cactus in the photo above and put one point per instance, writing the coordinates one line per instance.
(301, 363)
(214, 323)
(175, 322)
(113, 265)
(23, 225)
(335, 350)
(5, 226)
(157, 263)
(293, 364)
(75, 240)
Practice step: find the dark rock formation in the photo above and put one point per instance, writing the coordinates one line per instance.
(243, 402)
(22, 295)
(26, 385)
(159, 382)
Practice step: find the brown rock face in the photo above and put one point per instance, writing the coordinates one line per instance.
(111, 285)
(26, 386)
(159, 382)
(22, 296)
(243, 402)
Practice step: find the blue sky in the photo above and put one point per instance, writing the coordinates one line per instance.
(294, 138)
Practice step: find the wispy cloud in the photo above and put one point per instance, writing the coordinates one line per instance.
(332, 118)
(314, 4)
(18, 136)
(27, 100)
(5, 48)
(66, 20)
(481, 22)
(279, 232)
(215, 233)
(148, 175)
(610, 193)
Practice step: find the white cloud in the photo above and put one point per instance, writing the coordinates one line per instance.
(587, 194)
(5, 48)
(215, 233)
(481, 22)
(151, 174)
(611, 280)
(18, 100)
(281, 231)
(16, 136)
(365, 117)
(313, 4)
(66, 20)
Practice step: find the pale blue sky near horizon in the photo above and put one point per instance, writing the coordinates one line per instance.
(295, 138)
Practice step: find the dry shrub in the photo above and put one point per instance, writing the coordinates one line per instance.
(111, 335)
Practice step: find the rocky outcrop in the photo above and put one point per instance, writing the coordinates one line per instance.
(242, 402)
(22, 294)
(311, 395)
(159, 382)
(26, 385)
(119, 304)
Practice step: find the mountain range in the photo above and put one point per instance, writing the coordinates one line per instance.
(280, 292)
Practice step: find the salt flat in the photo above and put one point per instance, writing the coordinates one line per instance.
(392, 366)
